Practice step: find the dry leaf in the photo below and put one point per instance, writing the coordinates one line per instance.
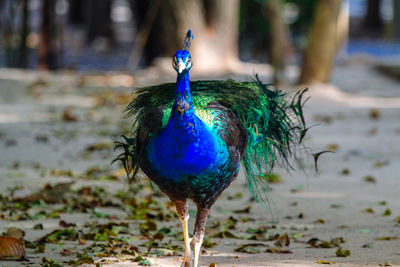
(282, 240)
(368, 210)
(374, 113)
(332, 147)
(387, 212)
(15, 232)
(49, 194)
(69, 116)
(278, 250)
(321, 221)
(387, 238)
(343, 252)
(325, 262)
(345, 171)
(370, 179)
(11, 247)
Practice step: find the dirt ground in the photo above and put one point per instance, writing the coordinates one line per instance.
(58, 130)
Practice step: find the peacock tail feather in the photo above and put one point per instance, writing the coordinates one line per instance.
(274, 122)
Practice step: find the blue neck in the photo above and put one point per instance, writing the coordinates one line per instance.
(182, 88)
(182, 111)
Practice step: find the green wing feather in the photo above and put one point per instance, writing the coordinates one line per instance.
(274, 122)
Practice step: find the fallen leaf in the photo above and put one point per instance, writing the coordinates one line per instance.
(66, 252)
(370, 179)
(387, 238)
(212, 265)
(145, 262)
(11, 247)
(207, 243)
(38, 226)
(368, 245)
(57, 235)
(387, 212)
(164, 252)
(49, 194)
(99, 146)
(325, 262)
(48, 262)
(334, 242)
(273, 178)
(238, 195)
(282, 240)
(40, 248)
(332, 147)
(374, 113)
(345, 171)
(386, 264)
(224, 234)
(278, 250)
(343, 252)
(321, 221)
(68, 116)
(368, 210)
(147, 226)
(245, 210)
(249, 248)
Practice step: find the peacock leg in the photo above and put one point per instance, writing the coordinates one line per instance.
(198, 235)
(182, 209)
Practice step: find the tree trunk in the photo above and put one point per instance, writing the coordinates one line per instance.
(279, 44)
(23, 50)
(373, 20)
(224, 22)
(214, 47)
(396, 19)
(44, 49)
(99, 21)
(49, 44)
(322, 43)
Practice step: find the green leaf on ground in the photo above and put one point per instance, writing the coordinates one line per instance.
(343, 252)
(325, 262)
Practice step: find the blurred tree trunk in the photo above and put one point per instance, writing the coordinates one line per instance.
(215, 27)
(99, 22)
(49, 46)
(322, 43)
(279, 43)
(23, 49)
(396, 19)
(373, 20)
(76, 14)
(6, 17)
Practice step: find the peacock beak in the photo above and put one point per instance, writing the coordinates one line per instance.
(181, 66)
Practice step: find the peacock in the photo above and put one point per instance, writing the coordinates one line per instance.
(189, 138)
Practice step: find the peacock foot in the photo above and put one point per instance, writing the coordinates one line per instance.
(188, 262)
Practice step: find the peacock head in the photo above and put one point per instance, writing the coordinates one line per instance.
(182, 61)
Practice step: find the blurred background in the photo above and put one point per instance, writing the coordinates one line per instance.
(129, 35)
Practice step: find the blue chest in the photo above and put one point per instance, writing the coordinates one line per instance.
(186, 149)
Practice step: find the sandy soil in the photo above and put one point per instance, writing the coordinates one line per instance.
(347, 198)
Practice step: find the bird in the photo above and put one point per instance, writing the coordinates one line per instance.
(190, 138)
